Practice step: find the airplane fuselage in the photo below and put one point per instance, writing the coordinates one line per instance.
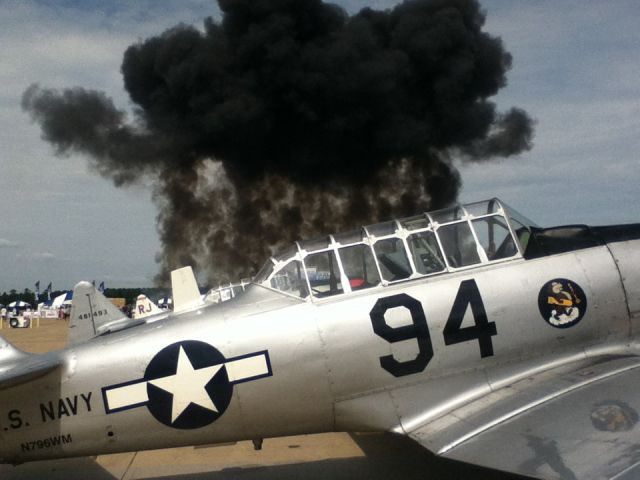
(266, 364)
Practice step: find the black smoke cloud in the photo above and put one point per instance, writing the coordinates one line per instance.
(290, 118)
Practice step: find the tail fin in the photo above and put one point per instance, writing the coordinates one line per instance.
(92, 314)
(145, 307)
(186, 294)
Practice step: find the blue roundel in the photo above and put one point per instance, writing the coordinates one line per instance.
(188, 385)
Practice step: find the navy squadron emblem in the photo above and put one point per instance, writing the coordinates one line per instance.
(187, 384)
(562, 303)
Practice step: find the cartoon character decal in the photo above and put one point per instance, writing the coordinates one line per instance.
(562, 303)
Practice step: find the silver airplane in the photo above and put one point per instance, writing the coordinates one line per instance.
(473, 331)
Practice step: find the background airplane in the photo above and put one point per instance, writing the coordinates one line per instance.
(145, 307)
(471, 330)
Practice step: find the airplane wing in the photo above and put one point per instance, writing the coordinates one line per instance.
(575, 424)
(17, 367)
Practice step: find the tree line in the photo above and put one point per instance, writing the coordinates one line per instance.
(129, 294)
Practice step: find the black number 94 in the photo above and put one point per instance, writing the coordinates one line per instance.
(468, 295)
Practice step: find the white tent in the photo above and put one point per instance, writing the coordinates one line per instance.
(64, 299)
(165, 302)
(45, 310)
(19, 304)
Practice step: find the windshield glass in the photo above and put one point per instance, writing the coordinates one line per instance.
(324, 274)
(265, 272)
(290, 279)
(455, 238)
(359, 266)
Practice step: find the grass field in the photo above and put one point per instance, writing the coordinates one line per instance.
(51, 334)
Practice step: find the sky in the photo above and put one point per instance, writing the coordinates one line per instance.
(575, 70)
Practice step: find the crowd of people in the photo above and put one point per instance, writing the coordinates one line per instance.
(6, 313)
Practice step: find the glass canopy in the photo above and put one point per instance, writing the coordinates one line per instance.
(434, 243)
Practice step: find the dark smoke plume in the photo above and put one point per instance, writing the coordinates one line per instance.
(291, 119)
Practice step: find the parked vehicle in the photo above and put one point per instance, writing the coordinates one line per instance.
(19, 321)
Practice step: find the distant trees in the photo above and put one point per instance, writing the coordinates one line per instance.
(129, 294)
(13, 295)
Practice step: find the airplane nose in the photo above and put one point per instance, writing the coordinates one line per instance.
(627, 257)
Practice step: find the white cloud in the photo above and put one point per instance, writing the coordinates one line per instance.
(37, 256)
(45, 198)
(4, 243)
(575, 69)
(44, 256)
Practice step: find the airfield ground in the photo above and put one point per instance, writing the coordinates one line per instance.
(339, 456)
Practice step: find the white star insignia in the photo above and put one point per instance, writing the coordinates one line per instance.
(188, 385)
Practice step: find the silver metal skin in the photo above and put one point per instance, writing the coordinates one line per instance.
(333, 352)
